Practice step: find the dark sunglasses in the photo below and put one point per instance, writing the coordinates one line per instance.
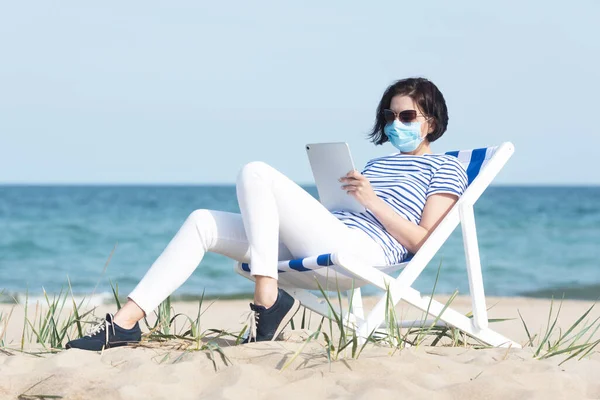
(403, 116)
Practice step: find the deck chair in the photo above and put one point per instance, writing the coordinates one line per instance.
(298, 276)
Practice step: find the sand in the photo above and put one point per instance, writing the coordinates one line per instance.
(255, 370)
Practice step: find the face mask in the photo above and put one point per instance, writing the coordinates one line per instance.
(406, 137)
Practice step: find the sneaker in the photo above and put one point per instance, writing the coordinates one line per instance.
(106, 335)
(269, 322)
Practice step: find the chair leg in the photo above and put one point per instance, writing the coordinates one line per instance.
(467, 218)
(355, 297)
(357, 305)
(436, 309)
(456, 319)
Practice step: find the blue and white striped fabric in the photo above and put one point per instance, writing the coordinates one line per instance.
(472, 161)
(300, 264)
(405, 182)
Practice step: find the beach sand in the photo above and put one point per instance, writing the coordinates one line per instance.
(255, 370)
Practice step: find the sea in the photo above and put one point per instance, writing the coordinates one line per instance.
(534, 241)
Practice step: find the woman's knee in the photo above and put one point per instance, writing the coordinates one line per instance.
(203, 222)
(200, 216)
(254, 170)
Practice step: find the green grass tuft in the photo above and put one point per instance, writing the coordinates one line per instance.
(576, 341)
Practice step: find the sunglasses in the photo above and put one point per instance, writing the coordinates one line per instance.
(403, 116)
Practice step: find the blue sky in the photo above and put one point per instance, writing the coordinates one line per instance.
(187, 92)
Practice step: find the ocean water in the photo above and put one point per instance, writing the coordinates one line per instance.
(534, 241)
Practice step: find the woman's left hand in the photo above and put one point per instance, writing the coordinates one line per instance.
(359, 187)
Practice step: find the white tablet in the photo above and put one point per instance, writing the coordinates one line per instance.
(329, 162)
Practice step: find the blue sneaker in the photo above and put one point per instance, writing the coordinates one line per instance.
(107, 335)
(269, 322)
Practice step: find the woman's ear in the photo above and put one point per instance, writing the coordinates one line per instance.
(431, 126)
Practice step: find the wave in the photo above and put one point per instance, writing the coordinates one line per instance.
(87, 300)
(26, 246)
(108, 298)
(581, 292)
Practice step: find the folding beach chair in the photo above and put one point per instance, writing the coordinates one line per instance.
(349, 273)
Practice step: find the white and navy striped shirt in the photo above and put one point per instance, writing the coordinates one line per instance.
(405, 182)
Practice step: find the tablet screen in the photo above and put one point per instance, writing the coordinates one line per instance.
(329, 162)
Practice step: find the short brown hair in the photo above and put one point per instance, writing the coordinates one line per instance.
(427, 96)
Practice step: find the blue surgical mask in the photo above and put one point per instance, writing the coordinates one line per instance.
(406, 137)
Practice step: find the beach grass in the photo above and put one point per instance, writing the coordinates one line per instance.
(576, 341)
(25, 396)
(61, 318)
(4, 320)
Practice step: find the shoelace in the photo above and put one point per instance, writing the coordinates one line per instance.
(101, 326)
(252, 322)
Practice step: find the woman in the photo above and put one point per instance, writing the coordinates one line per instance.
(406, 195)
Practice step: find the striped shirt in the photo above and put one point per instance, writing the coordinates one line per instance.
(405, 182)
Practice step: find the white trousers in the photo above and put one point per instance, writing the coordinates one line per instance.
(279, 221)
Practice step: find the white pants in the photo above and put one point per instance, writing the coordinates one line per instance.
(279, 221)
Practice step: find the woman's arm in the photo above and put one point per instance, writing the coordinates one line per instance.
(407, 233)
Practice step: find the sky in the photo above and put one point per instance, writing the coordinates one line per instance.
(189, 91)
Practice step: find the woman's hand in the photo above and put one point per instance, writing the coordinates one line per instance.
(359, 187)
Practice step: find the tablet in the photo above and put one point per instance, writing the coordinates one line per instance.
(329, 162)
